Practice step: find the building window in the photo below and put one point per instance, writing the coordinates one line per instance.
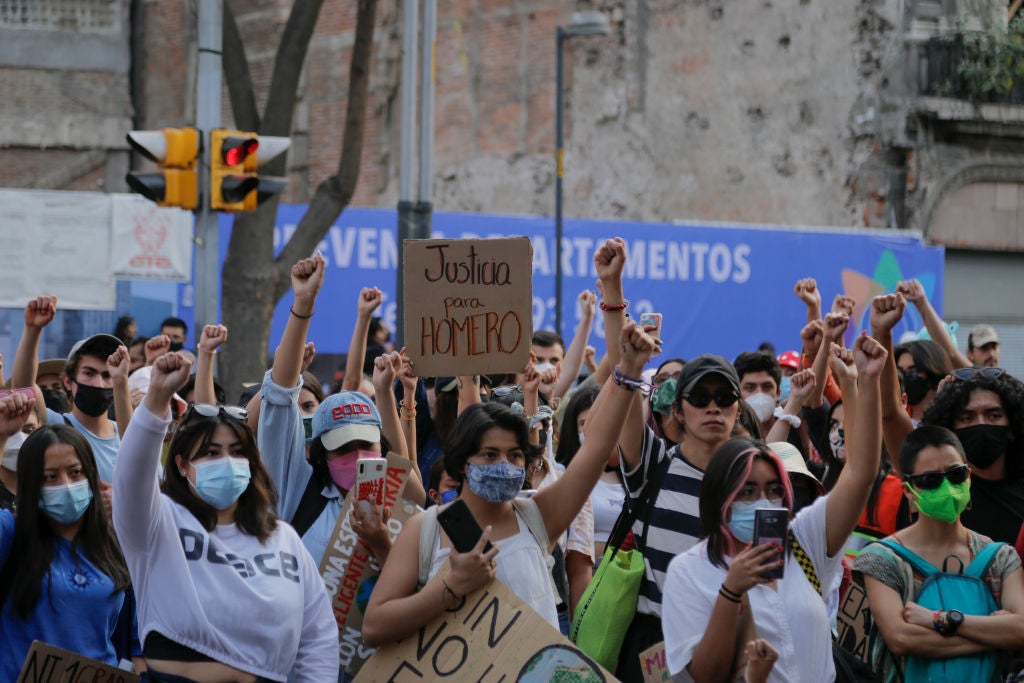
(81, 16)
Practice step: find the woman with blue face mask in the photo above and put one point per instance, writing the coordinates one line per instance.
(62, 575)
(227, 592)
(716, 596)
(487, 451)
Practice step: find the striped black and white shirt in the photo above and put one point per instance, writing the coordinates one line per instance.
(675, 516)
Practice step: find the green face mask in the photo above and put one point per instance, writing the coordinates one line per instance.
(944, 503)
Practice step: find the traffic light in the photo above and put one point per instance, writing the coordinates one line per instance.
(176, 151)
(235, 158)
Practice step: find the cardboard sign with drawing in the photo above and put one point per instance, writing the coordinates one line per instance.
(493, 637)
(468, 305)
(350, 570)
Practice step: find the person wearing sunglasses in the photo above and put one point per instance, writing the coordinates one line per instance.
(984, 407)
(939, 484)
(226, 590)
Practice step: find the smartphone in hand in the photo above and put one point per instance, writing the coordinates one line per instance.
(370, 476)
(460, 525)
(771, 525)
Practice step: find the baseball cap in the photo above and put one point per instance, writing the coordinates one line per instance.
(99, 345)
(445, 383)
(790, 359)
(141, 378)
(794, 462)
(981, 335)
(704, 365)
(343, 417)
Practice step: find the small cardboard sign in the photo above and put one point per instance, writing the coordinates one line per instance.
(350, 570)
(51, 664)
(468, 305)
(853, 622)
(494, 637)
(653, 665)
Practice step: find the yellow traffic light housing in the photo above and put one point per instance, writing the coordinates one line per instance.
(235, 157)
(176, 151)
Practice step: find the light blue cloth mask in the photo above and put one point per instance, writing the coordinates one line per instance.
(220, 482)
(65, 503)
(741, 522)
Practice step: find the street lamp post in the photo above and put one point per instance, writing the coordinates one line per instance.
(583, 24)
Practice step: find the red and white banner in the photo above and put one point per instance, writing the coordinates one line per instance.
(149, 242)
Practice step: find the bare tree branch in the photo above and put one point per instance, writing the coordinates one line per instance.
(236, 73)
(291, 55)
(334, 194)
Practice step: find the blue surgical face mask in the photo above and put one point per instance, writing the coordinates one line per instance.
(786, 388)
(741, 522)
(220, 482)
(495, 483)
(65, 503)
(449, 496)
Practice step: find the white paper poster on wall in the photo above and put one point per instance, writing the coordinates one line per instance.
(149, 242)
(56, 243)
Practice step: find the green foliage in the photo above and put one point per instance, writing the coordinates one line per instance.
(991, 65)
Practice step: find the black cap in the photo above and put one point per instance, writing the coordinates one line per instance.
(99, 345)
(701, 366)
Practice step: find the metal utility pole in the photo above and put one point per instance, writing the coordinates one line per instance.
(207, 265)
(415, 216)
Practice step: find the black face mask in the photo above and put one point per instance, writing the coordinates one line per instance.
(802, 497)
(917, 387)
(93, 401)
(56, 400)
(983, 444)
(176, 346)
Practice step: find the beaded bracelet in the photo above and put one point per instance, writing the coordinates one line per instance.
(608, 308)
(408, 414)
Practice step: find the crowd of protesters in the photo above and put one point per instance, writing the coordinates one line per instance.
(152, 519)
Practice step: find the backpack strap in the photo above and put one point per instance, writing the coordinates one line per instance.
(528, 510)
(980, 564)
(804, 560)
(311, 506)
(920, 566)
(430, 532)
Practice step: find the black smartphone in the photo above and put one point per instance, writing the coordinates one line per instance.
(772, 525)
(460, 525)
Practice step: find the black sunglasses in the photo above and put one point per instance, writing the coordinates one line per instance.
(927, 481)
(723, 399)
(969, 373)
(209, 410)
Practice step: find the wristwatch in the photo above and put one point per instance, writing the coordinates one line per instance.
(954, 618)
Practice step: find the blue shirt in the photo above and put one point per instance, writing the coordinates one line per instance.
(77, 609)
(104, 450)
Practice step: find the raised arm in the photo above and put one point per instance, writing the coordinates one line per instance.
(573, 361)
(849, 496)
(369, 300)
(211, 339)
(136, 485)
(407, 407)
(561, 500)
(807, 291)
(307, 278)
(385, 370)
(118, 364)
(38, 314)
(913, 291)
(803, 385)
(155, 347)
(886, 311)
(833, 328)
(609, 260)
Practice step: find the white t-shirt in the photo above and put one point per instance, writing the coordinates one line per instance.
(522, 566)
(261, 608)
(792, 617)
(607, 499)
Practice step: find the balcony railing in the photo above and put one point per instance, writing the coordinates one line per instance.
(978, 67)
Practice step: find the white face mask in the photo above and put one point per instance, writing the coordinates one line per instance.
(10, 456)
(762, 404)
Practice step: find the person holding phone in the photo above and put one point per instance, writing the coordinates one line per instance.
(717, 595)
(487, 451)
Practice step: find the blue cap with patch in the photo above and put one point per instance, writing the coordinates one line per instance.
(344, 417)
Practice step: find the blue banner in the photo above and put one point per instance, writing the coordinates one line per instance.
(721, 288)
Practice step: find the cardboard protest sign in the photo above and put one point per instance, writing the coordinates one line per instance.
(493, 637)
(653, 665)
(853, 622)
(468, 305)
(50, 664)
(350, 570)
